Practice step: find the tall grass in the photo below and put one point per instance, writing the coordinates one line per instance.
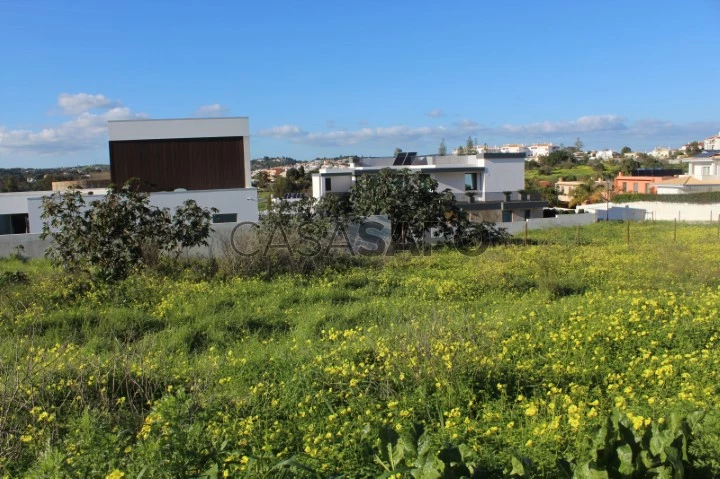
(521, 351)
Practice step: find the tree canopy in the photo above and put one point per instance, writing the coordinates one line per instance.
(121, 231)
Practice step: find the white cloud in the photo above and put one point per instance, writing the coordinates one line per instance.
(77, 103)
(282, 131)
(585, 124)
(362, 135)
(435, 113)
(650, 128)
(611, 128)
(86, 131)
(212, 110)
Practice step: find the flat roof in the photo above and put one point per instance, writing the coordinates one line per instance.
(178, 128)
(181, 119)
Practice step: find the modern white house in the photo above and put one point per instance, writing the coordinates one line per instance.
(488, 186)
(604, 154)
(712, 143)
(703, 176)
(203, 159)
(542, 149)
(661, 152)
(515, 148)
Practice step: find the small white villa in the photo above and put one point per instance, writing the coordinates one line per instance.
(487, 185)
(703, 176)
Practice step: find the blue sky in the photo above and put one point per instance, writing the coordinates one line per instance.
(323, 78)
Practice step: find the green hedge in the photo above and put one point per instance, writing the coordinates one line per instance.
(701, 198)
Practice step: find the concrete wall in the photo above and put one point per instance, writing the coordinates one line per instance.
(649, 210)
(455, 182)
(33, 246)
(219, 242)
(243, 201)
(504, 175)
(518, 227)
(17, 203)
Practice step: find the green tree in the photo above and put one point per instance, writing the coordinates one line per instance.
(626, 149)
(12, 184)
(469, 146)
(118, 233)
(294, 181)
(628, 165)
(588, 192)
(557, 157)
(693, 148)
(579, 146)
(442, 149)
(262, 179)
(397, 151)
(414, 206)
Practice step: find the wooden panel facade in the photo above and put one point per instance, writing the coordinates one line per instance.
(190, 163)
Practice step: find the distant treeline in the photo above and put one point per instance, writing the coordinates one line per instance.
(41, 179)
(267, 162)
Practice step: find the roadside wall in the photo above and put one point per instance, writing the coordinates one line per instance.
(659, 211)
(33, 246)
(517, 227)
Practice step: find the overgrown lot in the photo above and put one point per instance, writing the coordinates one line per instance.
(508, 362)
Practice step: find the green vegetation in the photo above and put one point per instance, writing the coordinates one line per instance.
(267, 162)
(700, 198)
(578, 172)
(264, 198)
(576, 355)
(41, 179)
(119, 233)
(296, 180)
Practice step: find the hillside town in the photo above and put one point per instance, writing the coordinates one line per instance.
(690, 168)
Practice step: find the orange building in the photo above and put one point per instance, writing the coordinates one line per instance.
(641, 181)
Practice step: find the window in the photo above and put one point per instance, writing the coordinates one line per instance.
(527, 214)
(705, 171)
(506, 216)
(624, 188)
(471, 182)
(635, 187)
(225, 218)
(328, 184)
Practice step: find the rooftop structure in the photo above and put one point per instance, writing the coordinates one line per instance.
(483, 182)
(190, 154)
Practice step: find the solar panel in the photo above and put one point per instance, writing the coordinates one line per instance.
(400, 158)
(410, 156)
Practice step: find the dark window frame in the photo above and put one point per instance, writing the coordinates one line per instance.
(472, 185)
(224, 218)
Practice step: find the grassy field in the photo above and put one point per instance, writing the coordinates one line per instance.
(509, 360)
(580, 172)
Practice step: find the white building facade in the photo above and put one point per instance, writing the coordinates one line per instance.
(604, 154)
(542, 149)
(712, 143)
(703, 176)
(487, 184)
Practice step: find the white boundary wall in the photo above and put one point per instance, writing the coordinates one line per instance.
(241, 201)
(34, 247)
(656, 210)
(581, 219)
